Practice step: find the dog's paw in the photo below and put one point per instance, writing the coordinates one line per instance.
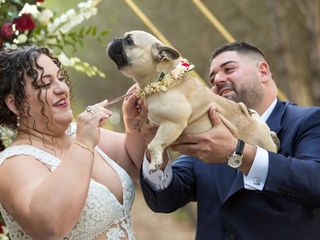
(155, 165)
(275, 139)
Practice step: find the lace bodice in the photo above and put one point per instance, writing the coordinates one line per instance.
(102, 213)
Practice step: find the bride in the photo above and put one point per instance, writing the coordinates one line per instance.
(60, 180)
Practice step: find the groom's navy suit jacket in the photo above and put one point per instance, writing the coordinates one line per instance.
(288, 206)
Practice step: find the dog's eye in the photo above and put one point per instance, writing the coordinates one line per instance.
(128, 40)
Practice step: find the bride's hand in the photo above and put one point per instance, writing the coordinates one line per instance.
(90, 121)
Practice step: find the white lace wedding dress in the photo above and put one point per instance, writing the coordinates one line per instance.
(102, 213)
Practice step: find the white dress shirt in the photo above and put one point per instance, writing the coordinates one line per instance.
(255, 179)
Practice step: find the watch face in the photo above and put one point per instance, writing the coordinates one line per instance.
(235, 160)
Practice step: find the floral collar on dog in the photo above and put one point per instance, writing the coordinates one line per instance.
(167, 80)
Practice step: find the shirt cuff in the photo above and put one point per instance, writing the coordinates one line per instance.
(257, 176)
(159, 179)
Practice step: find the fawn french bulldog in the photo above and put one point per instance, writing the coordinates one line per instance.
(178, 102)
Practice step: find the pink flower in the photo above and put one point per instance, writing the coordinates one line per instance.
(185, 64)
(6, 30)
(24, 22)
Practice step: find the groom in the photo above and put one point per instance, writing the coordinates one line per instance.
(268, 195)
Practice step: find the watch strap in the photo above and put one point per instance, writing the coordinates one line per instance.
(240, 147)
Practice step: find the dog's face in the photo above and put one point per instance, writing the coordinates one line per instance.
(141, 56)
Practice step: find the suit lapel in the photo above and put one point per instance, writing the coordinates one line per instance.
(275, 119)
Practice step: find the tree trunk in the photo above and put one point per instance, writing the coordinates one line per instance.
(313, 31)
(285, 61)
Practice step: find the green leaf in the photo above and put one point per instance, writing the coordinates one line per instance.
(104, 33)
(88, 31)
(69, 43)
(62, 34)
(73, 37)
(37, 31)
(81, 32)
(94, 31)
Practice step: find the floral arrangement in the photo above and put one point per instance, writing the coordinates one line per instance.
(3, 230)
(24, 22)
(167, 80)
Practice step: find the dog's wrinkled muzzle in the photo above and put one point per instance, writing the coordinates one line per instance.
(116, 52)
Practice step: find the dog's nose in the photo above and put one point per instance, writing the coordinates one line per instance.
(116, 52)
(115, 46)
(114, 42)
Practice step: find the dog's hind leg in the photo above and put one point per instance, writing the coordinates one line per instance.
(232, 128)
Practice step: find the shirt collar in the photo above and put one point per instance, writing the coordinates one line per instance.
(268, 112)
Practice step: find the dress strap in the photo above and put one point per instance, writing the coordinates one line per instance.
(37, 153)
(106, 157)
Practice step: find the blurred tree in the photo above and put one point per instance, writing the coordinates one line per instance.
(281, 46)
(312, 22)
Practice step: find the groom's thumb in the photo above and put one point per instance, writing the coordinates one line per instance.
(213, 115)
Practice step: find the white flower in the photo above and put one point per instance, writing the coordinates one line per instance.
(3, 237)
(71, 24)
(10, 45)
(32, 9)
(82, 5)
(65, 60)
(70, 13)
(51, 40)
(71, 18)
(22, 38)
(45, 16)
(90, 13)
(7, 135)
(2, 1)
(76, 60)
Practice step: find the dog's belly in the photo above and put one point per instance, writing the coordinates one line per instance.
(200, 125)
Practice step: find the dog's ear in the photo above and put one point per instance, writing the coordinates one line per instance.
(162, 52)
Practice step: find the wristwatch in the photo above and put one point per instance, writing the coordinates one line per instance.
(235, 160)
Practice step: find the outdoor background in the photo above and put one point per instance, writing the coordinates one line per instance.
(288, 31)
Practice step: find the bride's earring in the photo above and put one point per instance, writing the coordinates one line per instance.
(18, 122)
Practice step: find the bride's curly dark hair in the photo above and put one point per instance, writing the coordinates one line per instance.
(15, 66)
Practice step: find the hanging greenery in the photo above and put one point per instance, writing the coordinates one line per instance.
(29, 22)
